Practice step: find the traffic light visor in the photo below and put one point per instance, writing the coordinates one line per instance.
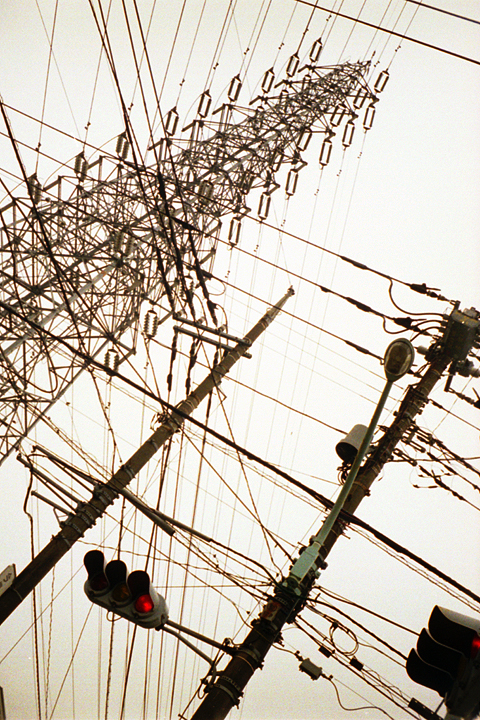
(455, 630)
(142, 592)
(425, 674)
(94, 562)
(435, 653)
(116, 572)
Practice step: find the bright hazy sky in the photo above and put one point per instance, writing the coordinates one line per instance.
(403, 200)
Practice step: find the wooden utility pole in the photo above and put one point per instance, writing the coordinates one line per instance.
(104, 495)
(291, 594)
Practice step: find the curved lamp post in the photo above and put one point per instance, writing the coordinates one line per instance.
(397, 361)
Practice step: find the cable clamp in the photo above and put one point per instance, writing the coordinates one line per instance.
(235, 699)
(128, 469)
(71, 522)
(86, 515)
(154, 444)
(106, 495)
(253, 653)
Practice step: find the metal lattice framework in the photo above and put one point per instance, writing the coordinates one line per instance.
(81, 255)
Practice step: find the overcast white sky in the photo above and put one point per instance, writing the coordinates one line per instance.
(403, 199)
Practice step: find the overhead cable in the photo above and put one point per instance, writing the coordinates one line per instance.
(390, 32)
(442, 10)
(326, 502)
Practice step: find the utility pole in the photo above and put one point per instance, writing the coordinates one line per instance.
(461, 332)
(104, 494)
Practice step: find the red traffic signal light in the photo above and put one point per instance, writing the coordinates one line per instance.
(447, 660)
(475, 647)
(130, 596)
(141, 590)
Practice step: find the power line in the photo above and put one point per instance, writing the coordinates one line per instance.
(345, 516)
(390, 32)
(356, 347)
(446, 12)
(420, 288)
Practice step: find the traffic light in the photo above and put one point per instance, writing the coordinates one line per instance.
(447, 659)
(130, 596)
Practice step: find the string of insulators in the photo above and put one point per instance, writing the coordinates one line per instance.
(471, 401)
(205, 191)
(268, 80)
(369, 117)
(80, 167)
(292, 65)
(246, 181)
(171, 122)
(116, 240)
(337, 115)
(424, 472)
(264, 205)
(163, 145)
(325, 152)
(150, 324)
(128, 247)
(172, 360)
(304, 139)
(191, 364)
(35, 188)
(424, 290)
(234, 230)
(360, 97)
(405, 322)
(315, 50)
(381, 81)
(277, 161)
(123, 146)
(112, 359)
(348, 133)
(196, 131)
(416, 287)
(234, 89)
(125, 149)
(291, 184)
(204, 104)
(121, 242)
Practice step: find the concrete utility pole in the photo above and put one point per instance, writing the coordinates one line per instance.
(290, 595)
(104, 495)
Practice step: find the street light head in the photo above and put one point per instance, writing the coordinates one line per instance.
(398, 359)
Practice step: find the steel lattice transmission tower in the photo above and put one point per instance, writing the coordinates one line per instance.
(80, 255)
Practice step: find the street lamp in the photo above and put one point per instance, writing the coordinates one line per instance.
(397, 361)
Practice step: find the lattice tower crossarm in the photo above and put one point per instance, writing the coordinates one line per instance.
(80, 256)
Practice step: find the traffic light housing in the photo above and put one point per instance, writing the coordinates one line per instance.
(447, 659)
(129, 595)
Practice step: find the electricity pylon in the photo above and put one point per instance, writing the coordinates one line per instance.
(80, 255)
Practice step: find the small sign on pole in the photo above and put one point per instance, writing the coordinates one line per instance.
(7, 577)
